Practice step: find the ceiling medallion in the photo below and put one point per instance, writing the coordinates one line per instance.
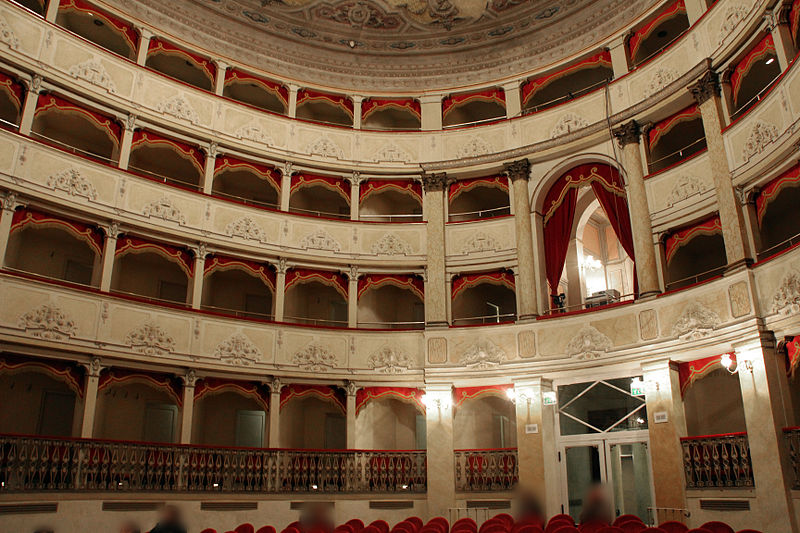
(360, 15)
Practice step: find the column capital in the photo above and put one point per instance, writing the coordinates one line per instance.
(213, 149)
(286, 170)
(356, 98)
(200, 250)
(275, 385)
(130, 122)
(221, 64)
(112, 229)
(353, 273)
(355, 178)
(519, 169)
(706, 87)
(35, 84)
(281, 266)
(351, 387)
(145, 33)
(430, 99)
(293, 88)
(94, 367)
(190, 378)
(436, 181)
(782, 13)
(627, 133)
(10, 202)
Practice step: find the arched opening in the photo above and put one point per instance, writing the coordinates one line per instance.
(488, 421)
(315, 302)
(326, 108)
(177, 63)
(658, 33)
(713, 404)
(98, 27)
(238, 287)
(76, 129)
(257, 92)
(246, 182)
(390, 201)
(694, 254)
(136, 410)
(231, 416)
(567, 83)
(316, 195)
(487, 298)
(753, 75)
(37, 6)
(477, 198)
(43, 404)
(151, 271)
(675, 138)
(396, 115)
(391, 301)
(166, 160)
(390, 424)
(12, 94)
(777, 214)
(313, 423)
(471, 108)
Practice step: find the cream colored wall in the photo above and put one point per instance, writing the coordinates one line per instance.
(475, 426)
(302, 423)
(214, 418)
(387, 424)
(121, 411)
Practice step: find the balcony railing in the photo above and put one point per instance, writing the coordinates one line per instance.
(717, 461)
(486, 470)
(36, 464)
(792, 436)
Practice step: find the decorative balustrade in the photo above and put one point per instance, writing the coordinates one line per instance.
(486, 470)
(792, 436)
(717, 461)
(35, 464)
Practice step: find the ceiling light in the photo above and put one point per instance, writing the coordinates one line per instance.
(351, 43)
(770, 60)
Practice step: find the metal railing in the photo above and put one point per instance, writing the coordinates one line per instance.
(73, 149)
(696, 278)
(409, 217)
(486, 470)
(483, 213)
(316, 213)
(315, 321)
(37, 464)
(677, 155)
(246, 201)
(717, 461)
(596, 305)
(392, 325)
(571, 95)
(775, 248)
(241, 313)
(486, 319)
(792, 437)
(742, 109)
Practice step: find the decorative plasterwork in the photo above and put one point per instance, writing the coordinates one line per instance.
(71, 181)
(685, 187)
(48, 321)
(391, 244)
(761, 134)
(696, 321)
(389, 361)
(588, 343)
(733, 15)
(648, 324)
(567, 124)
(320, 240)
(480, 241)
(95, 73)
(660, 79)
(238, 349)
(324, 147)
(474, 147)
(740, 299)
(786, 299)
(437, 350)
(253, 132)
(178, 107)
(7, 35)
(482, 355)
(314, 358)
(150, 339)
(246, 228)
(165, 210)
(393, 153)
(526, 342)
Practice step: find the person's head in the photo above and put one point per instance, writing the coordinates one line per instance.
(170, 514)
(129, 527)
(43, 529)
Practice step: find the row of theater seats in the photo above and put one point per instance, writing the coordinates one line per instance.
(502, 523)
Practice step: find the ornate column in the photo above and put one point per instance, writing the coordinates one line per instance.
(126, 141)
(196, 291)
(439, 437)
(211, 161)
(781, 33)
(352, 296)
(286, 185)
(280, 288)
(436, 294)
(29, 107)
(619, 56)
(355, 186)
(707, 94)
(292, 111)
(513, 98)
(112, 231)
(219, 80)
(628, 136)
(351, 389)
(431, 112)
(144, 45)
(93, 370)
(666, 426)
(8, 207)
(519, 173)
(357, 111)
(187, 411)
(275, 413)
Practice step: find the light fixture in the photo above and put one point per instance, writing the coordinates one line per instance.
(732, 365)
(639, 420)
(404, 487)
(517, 395)
(351, 43)
(770, 60)
(314, 487)
(437, 401)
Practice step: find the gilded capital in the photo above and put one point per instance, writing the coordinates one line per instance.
(706, 87)
(434, 182)
(519, 169)
(628, 133)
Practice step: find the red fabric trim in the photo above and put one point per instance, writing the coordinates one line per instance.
(461, 186)
(690, 372)
(341, 101)
(13, 88)
(530, 87)
(157, 46)
(606, 175)
(710, 226)
(193, 154)
(127, 31)
(168, 383)
(496, 95)
(254, 389)
(371, 105)
(332, 183)
(331, 279)
(764, 48)
(411, 187)
(790, 178)
(662, 127)
(678, 8)
(129, 244)
(71, 374)
(467, 281)
(373, 281)
(406, 394)
(279, 90)
(86, 233)
(792, 354)
(260, 270)
(329, 393)
(462, 394)
(48, 102)
(794, 21)
(226, 162)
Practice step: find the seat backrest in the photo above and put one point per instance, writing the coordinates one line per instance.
(415, 521)
(403, 527)
(567, 529)
(209, 530)
(748, 531)
(355, 524)
(717, 527)
(440, 522)
(245, 528)
(673, 526)
(266, 529)
(592, 526)
(562, 517)
(653, 530)
(627, 518)
(699, 530)
(555, 525)
(464, 524)
(611, 529)
(631, 527)
(380, 525)
(506, 519)
(530, 528)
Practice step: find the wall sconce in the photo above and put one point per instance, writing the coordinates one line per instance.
(732, 366)
(437, 401)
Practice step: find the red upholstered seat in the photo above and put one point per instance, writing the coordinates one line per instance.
(530, 528)
(343, 528)
(566, 517)
(495, 527)
(355, 524)
(567, 529)
(632, 527)
(611, 529)
(505, 519)
(698, 530)
(673, 526)
(464, 524)
(717, 527)
(748, 531)
(380, 525)
(527, 522)
(266, 529)
(653, 530)
(439, 522)
(209, 530)
(245, 528)
(593, 526)
(370, 529)
(414, 521)
(403, 527)
(554, 525)
(627, 518)
(290, 529)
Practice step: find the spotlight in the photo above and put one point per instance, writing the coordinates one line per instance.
(770, 60)
(351, 43)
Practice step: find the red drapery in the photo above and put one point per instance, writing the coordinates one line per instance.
(258, 391)
(662, 127)
(461, 186)
(70, 373)
(373, 281)
(263, 272)
(226, 162)
(338, 185)
(371, 105)
(710, 226)
(281, 92)
(462, 394)
(638, 37)
(86, 233)
(127, 31)
(792, 345)
(170, 384)
(411, 187)
(13, 89)
(764, 48)
(49, 102)
(157, 46)
(790, 178)
(193, 154)
(338, 100)
(329, 393)
(129, 244)
(467, 281)
(530, 87)
(406, 394)
(691, 371)
(794, 21)
(495, 95)
(332, 279)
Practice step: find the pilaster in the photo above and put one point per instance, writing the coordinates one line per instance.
(292, 111)
(111, 231)
(29, 108)
(357, 100)
(351, 389)
(436, 294)
(286, 185)
(280, 288)
(781, 32)
(187, 411)
(518, 173)
(619, 56)
(196, 294)
(219, 80)
(513, 98)
(93, 370)
(144, 45)
(51, 14)
(352, 296)
(275, 413)
(695, 10)
(126, 142)
(431, 112)
(355, 188)
(211, 161)
(440, 456)
(7, 208)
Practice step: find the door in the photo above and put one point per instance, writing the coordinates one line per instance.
(250, 428)
(335, 432)
(159, 422)
(629, 464)
(584, 467)
(56, 414)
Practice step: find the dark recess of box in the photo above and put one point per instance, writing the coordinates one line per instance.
(228, 506)
(725, 505)
(28, 508)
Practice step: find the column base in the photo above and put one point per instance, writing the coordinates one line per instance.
(738, 266)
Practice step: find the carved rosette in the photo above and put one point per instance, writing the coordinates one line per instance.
(150, 339)
(71, 181)
(786, 299)
(588, 343)
(628, 133)
(238, 349)
(314, 358)
(48, 322)
(696, 321)
(389, 361)
(482, 355)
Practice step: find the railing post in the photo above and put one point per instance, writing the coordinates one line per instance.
(109, 254)
(274, 412)
(187, 410)
(195, 296)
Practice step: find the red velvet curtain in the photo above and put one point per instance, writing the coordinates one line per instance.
(616, 209)
(557, 232)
